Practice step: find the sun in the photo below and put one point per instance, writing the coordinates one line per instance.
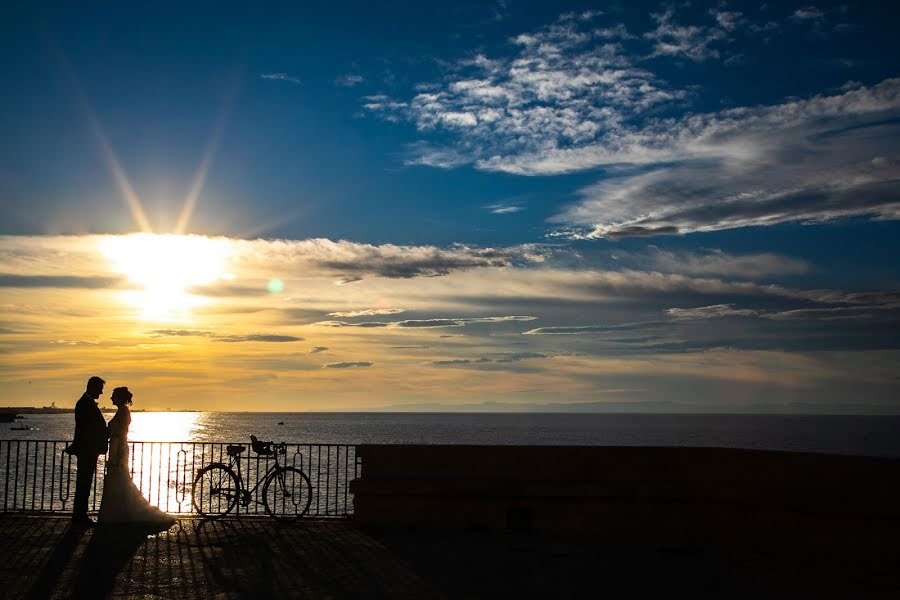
(165, 267)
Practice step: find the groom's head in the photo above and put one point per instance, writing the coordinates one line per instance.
(95, 387)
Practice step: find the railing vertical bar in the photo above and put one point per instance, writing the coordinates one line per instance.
(318, 478)
(6, 477)
(158, 472)
(202, 462)
(169, 475)
(328, 480)
(194, 473)
(53, 476)
(25, 478)
(141, 465)
(33, 476)
(337, 477)
(44, 475)
(346, 469)
(16, 481)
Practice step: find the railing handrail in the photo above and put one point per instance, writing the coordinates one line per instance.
(68, 441)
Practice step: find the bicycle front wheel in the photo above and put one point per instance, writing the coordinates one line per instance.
(216, 490)
(287, 493)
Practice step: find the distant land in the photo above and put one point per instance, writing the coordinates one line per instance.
(53, 410)
(635, 407)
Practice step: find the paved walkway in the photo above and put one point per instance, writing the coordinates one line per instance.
(247, 558)
(261, 559)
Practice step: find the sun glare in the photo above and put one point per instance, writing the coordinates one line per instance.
(165, 266)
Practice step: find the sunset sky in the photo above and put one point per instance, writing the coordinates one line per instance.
(452, 205)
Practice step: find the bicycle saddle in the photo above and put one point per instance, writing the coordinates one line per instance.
(234, 449)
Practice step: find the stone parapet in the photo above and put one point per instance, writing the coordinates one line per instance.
(709, 493)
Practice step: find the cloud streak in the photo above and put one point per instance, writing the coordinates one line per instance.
(425, 323)
(349, 365)
(810, 160)
(252, 337)
(280, 77)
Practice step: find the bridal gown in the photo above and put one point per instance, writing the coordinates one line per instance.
(122, 501)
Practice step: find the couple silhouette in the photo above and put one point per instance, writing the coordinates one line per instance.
(122, 501)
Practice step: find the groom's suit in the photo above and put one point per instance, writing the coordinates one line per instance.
(91, 440)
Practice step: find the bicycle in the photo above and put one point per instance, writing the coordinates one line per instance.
(286, 491)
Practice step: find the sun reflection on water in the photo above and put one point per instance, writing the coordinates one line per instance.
(159, 467)
(163, 426)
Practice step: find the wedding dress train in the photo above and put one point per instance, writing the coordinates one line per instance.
(122, 501)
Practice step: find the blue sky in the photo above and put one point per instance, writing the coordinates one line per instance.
(708, 147)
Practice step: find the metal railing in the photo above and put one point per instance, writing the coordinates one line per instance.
(37, 475)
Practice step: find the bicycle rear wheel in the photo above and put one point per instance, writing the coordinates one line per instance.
(287, 493)
(216, 490)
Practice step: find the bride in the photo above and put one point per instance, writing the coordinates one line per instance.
(122, 501)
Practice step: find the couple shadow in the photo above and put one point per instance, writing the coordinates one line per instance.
(108, 552)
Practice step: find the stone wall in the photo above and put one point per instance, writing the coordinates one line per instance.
(709, 493)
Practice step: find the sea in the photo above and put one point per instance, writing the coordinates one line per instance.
(855, 435)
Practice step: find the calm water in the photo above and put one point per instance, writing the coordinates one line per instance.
(866, 435)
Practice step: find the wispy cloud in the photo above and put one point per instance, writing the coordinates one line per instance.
(497, 359)
(423, 154)
(353, 261)
(368, 312)
(693, 42)
(717, 262)
(572, 96)
(58, 281)
(808, 13)
(280, 77)
(566, 83)
(426, 323)
(252, 337)
(349, 80)
(808, 160)
(710, 312)
(349, 365)
(504, 209)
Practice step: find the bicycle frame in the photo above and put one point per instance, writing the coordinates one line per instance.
(246, 496)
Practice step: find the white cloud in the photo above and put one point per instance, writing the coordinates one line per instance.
(424, 155)
(693, 42)
(349, 80)
(566, 84)
(809, 13)
(575, 96)
(807, 160)
(711, 312)
(366, 312)
(352, 261)
(727, 19)
(280, 77)
(504, 209)
(426, 323)
(717, 262)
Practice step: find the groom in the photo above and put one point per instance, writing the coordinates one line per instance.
(91, 440)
